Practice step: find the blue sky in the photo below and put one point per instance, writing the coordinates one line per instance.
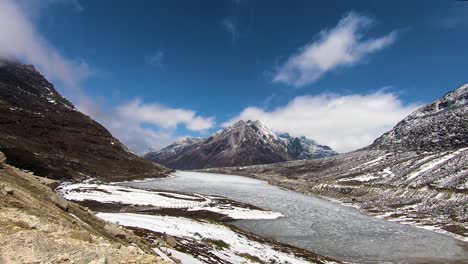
(340, 72)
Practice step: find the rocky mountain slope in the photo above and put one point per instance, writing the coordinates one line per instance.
(442, 125)
(300, 148)
(416, 173)
(244, 143)
(37, 226)
(41, 131)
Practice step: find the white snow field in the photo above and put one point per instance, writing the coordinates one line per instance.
(106, 193)
(199, 230)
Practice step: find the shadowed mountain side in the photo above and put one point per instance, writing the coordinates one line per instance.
(41, 131)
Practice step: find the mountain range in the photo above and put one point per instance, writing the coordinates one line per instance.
(416, 173)
(241, 144)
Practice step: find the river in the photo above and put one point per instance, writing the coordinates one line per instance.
(318, 225)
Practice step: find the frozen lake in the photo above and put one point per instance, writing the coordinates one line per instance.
(318, 225)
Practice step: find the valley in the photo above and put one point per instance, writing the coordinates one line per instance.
(314, 224)
(73, 190)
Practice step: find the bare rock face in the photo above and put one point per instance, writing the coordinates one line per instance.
(442, 125)
(242, 144)
(59, 202)
(2, 160)
(2, 157)
(81, 235)
(8, 190)
(115, 230)
(170, 241)
(41, 131)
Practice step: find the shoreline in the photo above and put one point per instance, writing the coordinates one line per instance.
(215, 217)
(389, 218)
(280, 184)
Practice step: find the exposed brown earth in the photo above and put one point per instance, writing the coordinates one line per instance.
(37, 226)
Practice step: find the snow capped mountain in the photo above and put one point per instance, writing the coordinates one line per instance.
(441, 125)
(172, 150)
(303, 148)
(243, 143)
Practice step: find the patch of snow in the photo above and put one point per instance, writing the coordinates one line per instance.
(434, 163)
(184, 227)
(184, 258)
(384, 216)
(125, 195)
(264, 130)
(50, 100)
(370, 162)
(375, 160)
(163, 255)
(361, 178)
(388, 172)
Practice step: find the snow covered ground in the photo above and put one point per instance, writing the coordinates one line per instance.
(116, 194)
(237, 245)
(105, 193)
(434, 163)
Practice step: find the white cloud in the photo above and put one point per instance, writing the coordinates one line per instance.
(128, 130)
(20, 40)
(163, 116)
(127, 122)
(343, 122)
(340, 46)
(230, 24)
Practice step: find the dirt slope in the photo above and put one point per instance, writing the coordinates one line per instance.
(36, 226)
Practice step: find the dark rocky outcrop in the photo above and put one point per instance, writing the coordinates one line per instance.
(41, 131)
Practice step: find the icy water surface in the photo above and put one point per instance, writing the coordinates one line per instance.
(321, 226)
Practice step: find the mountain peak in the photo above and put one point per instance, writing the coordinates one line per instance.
(239, 123)
(243, 143)
(255, 122)
(247, 123)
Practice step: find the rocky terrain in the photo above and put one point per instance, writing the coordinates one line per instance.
(41, 131)
(417, 173)
(300, 148)
(441, 125)
(244, 143)
(37, 226)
